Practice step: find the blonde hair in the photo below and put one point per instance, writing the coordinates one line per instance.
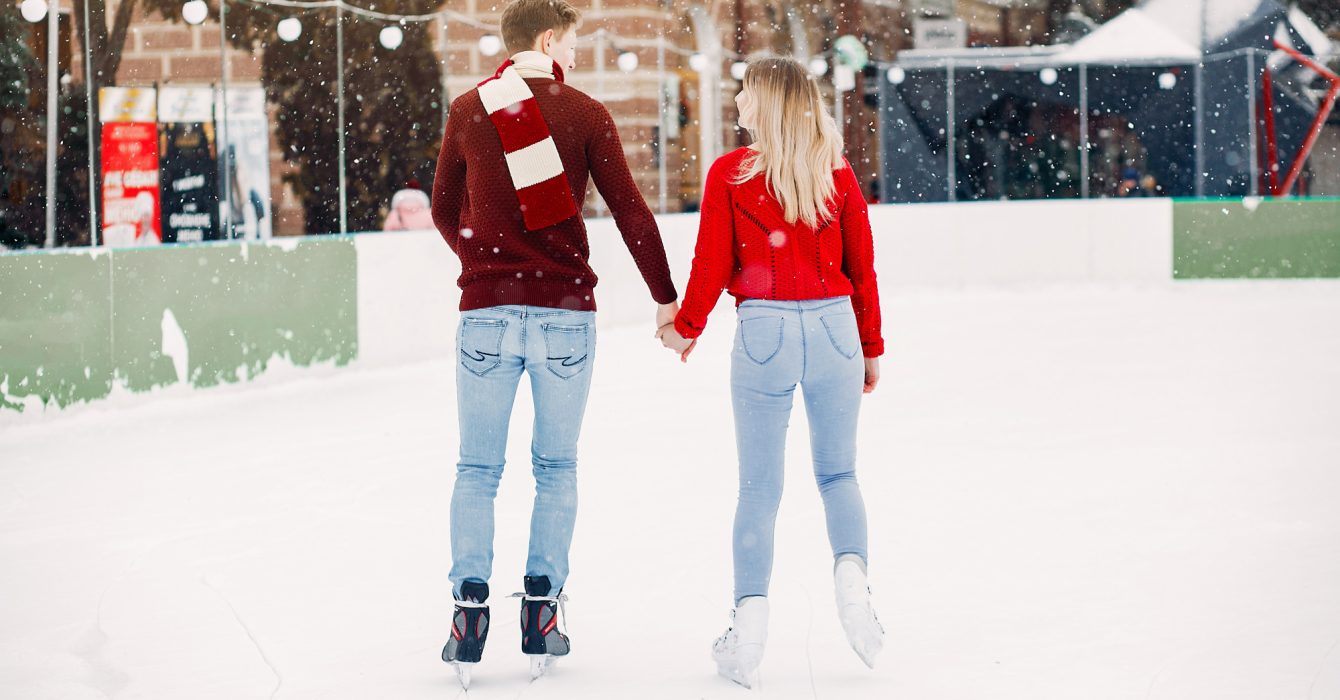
(799, 145)
(524, 20)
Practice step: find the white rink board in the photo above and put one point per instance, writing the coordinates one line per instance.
(408, 295)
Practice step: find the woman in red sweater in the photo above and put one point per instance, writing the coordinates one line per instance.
(784, 229)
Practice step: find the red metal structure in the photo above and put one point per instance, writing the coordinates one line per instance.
(1323, 113)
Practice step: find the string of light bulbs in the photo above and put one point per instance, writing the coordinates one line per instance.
(290, 29)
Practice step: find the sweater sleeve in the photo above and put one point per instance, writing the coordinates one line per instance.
(713, 257)
(637, 225)
(858, 263)
(449, 183)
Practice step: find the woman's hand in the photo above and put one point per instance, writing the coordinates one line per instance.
(684, 356)
(871, 374)
(671, 338)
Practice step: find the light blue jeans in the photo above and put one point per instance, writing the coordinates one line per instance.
(494, 347)
(780, 345)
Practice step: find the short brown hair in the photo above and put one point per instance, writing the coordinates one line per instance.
(524, 20)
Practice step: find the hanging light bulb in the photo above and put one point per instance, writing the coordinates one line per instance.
(627, 61)
(391, 37)
(897, 75)
(289, 28)
(1048, 76)
(34, 10)
(490, 44)
(737, 69)
(698, 62)
(194, 11)
(1167, 81)
(818, 66)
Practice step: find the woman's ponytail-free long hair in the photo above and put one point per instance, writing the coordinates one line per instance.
(798, 142)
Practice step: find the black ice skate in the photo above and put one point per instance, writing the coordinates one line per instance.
(469, 630)
(541, 638)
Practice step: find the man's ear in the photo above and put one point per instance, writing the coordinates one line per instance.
(544, 40)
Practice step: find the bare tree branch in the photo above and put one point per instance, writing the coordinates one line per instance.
(116, 42)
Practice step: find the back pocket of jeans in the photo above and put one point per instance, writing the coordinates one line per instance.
(761, 337)
(568, 347)
(843, 333)
(481, 343)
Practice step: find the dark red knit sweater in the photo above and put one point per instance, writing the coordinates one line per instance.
(746, 247)
(476, 208)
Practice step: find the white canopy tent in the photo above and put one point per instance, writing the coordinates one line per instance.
(1183, 31)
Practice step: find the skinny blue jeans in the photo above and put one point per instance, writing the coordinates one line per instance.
(495, 346)
(779, 345)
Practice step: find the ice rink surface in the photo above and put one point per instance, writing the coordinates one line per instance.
(1074, 493)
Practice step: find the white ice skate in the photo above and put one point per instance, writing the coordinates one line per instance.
(739, 651)
(853, 603)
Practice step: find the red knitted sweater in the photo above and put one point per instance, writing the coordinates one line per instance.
(746, 247)
(476, 209)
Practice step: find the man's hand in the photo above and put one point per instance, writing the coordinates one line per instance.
(665, 313)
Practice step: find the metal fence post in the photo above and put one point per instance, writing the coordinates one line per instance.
(951, 144)
(1253, 164)
(1200, 127)
(1084, 131)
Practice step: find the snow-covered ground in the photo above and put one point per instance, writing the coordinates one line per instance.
(1073, 493)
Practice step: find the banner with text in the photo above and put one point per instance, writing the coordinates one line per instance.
(246, 172)
(130, 196)
(189, 171)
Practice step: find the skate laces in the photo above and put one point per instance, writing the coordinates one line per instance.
(725, 636)
(561, 599)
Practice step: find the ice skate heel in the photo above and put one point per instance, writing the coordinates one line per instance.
(541, 638)
(858, 618)
(469, 630)
(739, 652)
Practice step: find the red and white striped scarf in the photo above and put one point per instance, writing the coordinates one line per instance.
(532, 158)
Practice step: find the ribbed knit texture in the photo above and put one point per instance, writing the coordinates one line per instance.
(476, 209)
(746, 247)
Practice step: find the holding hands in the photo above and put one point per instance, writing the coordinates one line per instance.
(666, 333)
(671, 338)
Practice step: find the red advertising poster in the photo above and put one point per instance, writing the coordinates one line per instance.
(130, 192)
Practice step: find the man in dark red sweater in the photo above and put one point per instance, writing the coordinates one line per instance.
(511, 180)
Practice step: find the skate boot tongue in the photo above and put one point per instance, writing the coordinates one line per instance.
(537, 586)
(474, 592)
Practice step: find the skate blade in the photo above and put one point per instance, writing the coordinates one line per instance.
(463, 670)
(863, 633)
(540, 664)
(736, 674)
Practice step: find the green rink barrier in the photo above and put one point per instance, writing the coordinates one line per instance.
(73, 324)
(77, 325)
(55, 327)
(1254, 238)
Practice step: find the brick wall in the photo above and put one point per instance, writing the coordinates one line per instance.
(159, 51)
